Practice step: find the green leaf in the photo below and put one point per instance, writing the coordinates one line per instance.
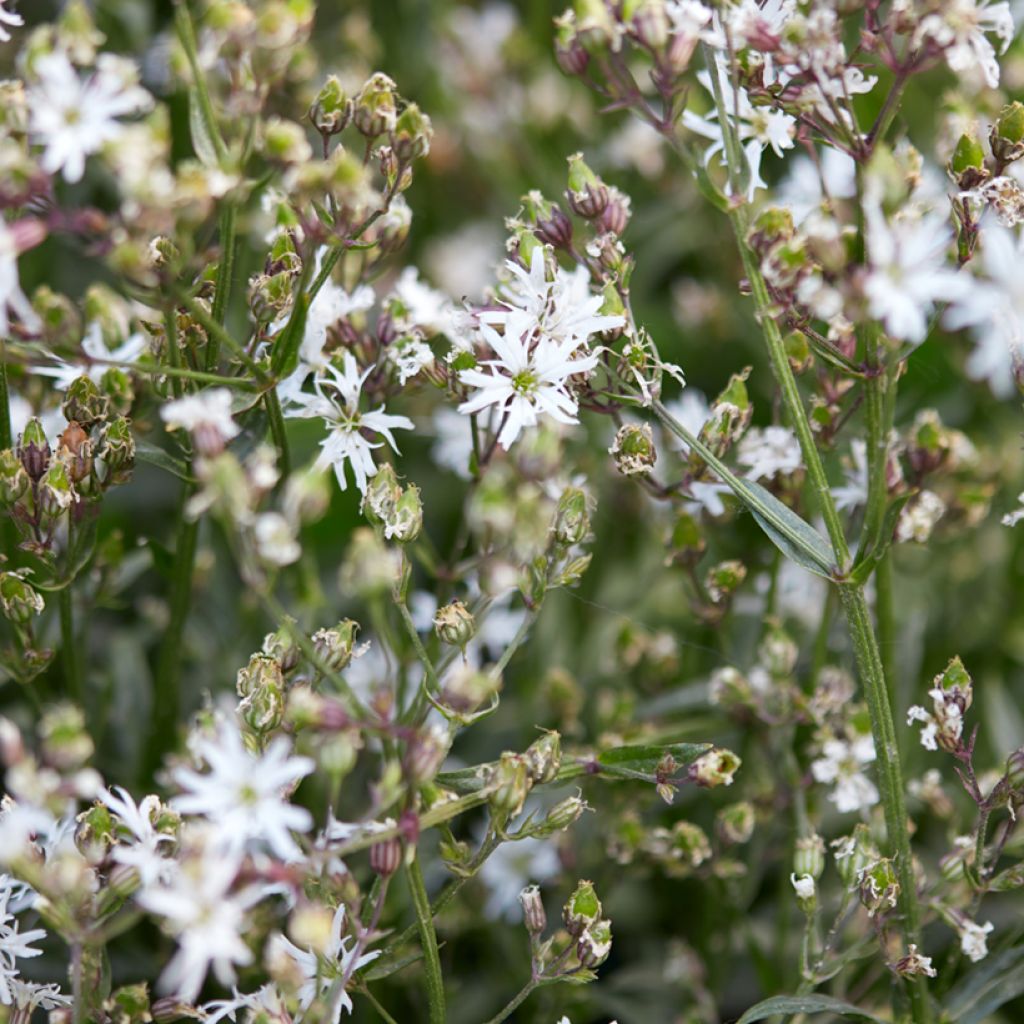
(286, 349)
(202, 142)
(985, 989)
(641, 762)
(164, 460)
(794, 537)
(787, 1006)
(799, 541)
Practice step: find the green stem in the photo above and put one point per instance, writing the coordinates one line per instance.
(225, 272)
(890, 779)
(187, 35)
(374, 1002)
(428, 939)
(6, 439)
(277, 431)
(215, 329)
(174, 352)
(516, 1002)
(885, 616)
(68, 651)
(166, 698)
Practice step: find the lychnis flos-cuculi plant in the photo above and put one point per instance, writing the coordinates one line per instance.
(461, 758)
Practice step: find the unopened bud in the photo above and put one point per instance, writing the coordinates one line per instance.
(412, 135)
(454, 624)
(375, 109)
(735, 823)
(633, 449)
(534, 916)
(18, 598)
(588, 195)
(570, 53)
(809, 856)
(14, 480)
(879, 887)
(117, 449)
(84, 402)
(544, 757)
(582, 909)
(723, 579)
(261, 686)
(1007, 135)
(572, 517)
(332, 109)
(426, 752)
(594, 945)
(55, 491)
(334, 647)
(386, 857)
(34, 449)
(510, 778)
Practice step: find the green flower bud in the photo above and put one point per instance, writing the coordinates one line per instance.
(332, 109)
(84, 402)
(261, 686)
(565, 813)
(412, 134)
(778, 653)
(723, 579)
(809, 856)
(285, 142)
(18, 598)
(116, 384)
(55, 491)
(588, 194)
(879, 887)
(66, 742)
(968, 155)
(509, 781)
(853, 854)
(335, 647)
(380, 501)
(407, 523)
(715, 768)
(735, 823)
(544, 757)
(117, 450)
(14, 480)
(34, 449)
(595, 26)
(454, 624)
(633, 449)
(281, 646)
(376, 110)
(95, 832)
(1007, 136)
(582, 909)
(572, 517)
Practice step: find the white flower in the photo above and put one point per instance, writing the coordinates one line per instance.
(241, 794)
(560, 308)
(768, 451)
(410, 355)
(1014, 517)
(98, 358)
(803, 886)
(973, 940)
(207, 920)
(945, 721)
(275, 541)
(915, 963)
(320, 973)
(908, 271)
(423, 306)
(757, 127)
(29, 995)
(840, 764)
(144, 853)
(811, 184)
(12, 298)
(994, 308)
(918, 518)
(8, 18)
(14, 944)
(855, 491)
(960, 27)
(529, 378)
(206, 416)
(346, 443)
(73, 117)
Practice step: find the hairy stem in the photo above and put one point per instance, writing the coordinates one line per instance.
(428, 939)
(68, 650)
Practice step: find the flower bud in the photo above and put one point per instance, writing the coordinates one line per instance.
(14, 480)
(84, 402)
(407, 522)
(66, 742)
(809, 856)
(582, 909)
(466, 688)
(735, 823)
(572, 517)
(715, 768)
(426, 753)
(633, 449)
(534, 915)
(18, 598)
(386, 857)
(596, 28)
(74, 450)
(879, 887)
(454, 624)
(968, 156)
(723, 579)
(565, 813)
(594, 945)
(281, 646)
(570, 53)
(34, 449)
(375, 110)
(588, 195)
(510, 779)
(332, 109)
(914, 964)
(550, 224)
(117, 450)
(335, 647)
(55, 491)
(261, 686)
(615, 216)
(412, 134)
(853, 854)
(285, 142)
(544, 757)
(1015, 772)
(778, 652)
(1007, 135)
(806, 892)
